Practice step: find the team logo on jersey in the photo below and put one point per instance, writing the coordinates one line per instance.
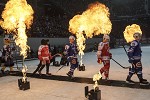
(73, 61)
(139, 64)
(133, 44)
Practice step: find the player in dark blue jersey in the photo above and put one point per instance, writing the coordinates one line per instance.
(71, 53)
(134, 54)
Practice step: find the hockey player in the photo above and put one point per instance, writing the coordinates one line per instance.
(44, 56)
(104, 56)
(7, 55)
(71, 52)
(134, 54)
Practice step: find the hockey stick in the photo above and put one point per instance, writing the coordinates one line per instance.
(60, 68)
(120, 64)
(125, 50)
(127, 53)
(64, 65)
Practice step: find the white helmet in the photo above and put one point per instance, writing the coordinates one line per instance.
(137, 34)
(72, 37)
(106, 37)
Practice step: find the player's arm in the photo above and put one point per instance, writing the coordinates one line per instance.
(66, 50)
(99, 52)
(131, 51)
(39, 52)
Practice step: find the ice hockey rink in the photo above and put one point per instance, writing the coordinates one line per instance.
(42, 89)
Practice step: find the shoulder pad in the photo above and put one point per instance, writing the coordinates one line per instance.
(134, 43)
(67, 47)
(101, 44)
(41, 46)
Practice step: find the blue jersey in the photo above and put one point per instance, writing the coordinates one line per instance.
(135, 50)
(71, 50)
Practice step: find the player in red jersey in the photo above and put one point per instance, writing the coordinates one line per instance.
(104, 56)
(44, 56)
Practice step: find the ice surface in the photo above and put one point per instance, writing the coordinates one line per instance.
(56, 90)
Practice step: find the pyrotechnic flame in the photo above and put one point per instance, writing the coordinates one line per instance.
(1, 22)
(130, 30)
(24, 71)
(96, 77)
(81, 43)
(17, 17)
(94, 21)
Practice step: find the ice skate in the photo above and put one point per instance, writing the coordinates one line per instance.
(70, 75)
(144, 82)
(106, 78)
(48, 74)
(129, 81)
(40, 73)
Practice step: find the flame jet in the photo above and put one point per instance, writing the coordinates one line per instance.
(16, 18)
(94, 21)
(130, 30)
(96, 77)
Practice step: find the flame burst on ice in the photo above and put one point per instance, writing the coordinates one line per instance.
(130, 30)
(17, 17)
(96, 77)
(24, 70)
(94, 21)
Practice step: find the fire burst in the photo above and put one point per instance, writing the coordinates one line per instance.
(94, 21)
(96, 77)
(17, 17)
(130, 30)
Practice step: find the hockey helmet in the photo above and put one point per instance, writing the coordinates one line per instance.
(71, 37)
(43, 42)
(106, 37)
(137, 34)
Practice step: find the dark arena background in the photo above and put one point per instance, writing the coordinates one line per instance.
(51, 17)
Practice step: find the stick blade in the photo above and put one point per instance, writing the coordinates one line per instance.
(127, 67)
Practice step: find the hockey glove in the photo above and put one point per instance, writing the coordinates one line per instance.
(40, 58)
(130, 60)
(65, 52)
(99, 60)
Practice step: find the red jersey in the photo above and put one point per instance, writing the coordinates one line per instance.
(103, 51)
(43, 52)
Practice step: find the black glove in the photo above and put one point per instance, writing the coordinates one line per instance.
(130, 60)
